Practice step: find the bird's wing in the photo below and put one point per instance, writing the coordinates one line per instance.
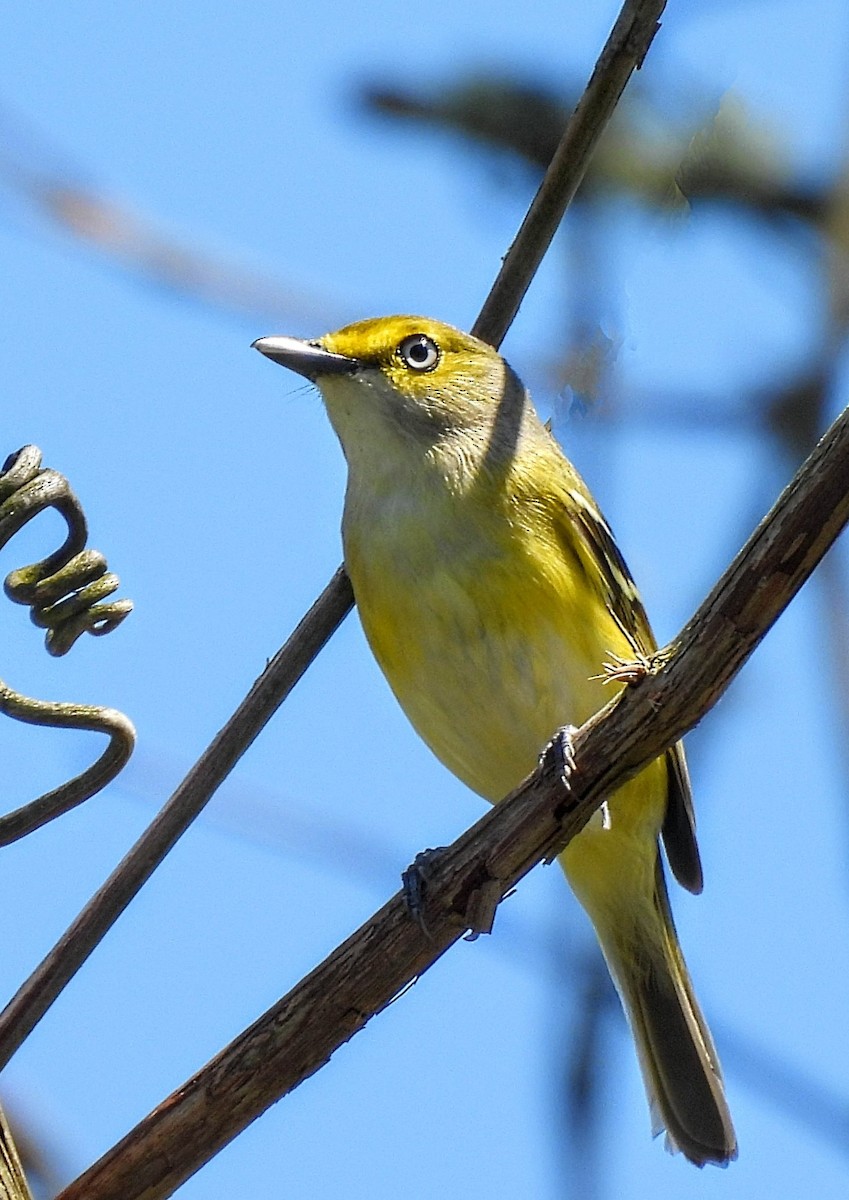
(624, 603)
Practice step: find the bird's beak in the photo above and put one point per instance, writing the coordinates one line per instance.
(307, 358)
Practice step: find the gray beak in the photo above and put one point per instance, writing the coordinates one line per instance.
(306, 358)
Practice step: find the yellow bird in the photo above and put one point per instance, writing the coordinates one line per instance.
(491, 592)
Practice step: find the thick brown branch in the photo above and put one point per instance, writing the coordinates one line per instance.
(299, 1034)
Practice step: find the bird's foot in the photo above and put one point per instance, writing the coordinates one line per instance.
(479, 916)
(414, 883)
(559, 755)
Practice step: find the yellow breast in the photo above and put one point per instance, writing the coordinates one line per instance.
(484, 630)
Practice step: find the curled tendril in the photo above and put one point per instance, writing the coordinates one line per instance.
(65, 591)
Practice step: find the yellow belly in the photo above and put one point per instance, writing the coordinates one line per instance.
(488, 654)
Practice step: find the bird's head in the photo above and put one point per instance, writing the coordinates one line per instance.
(407, 381)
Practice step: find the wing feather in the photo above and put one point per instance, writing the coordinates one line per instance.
(624, 603)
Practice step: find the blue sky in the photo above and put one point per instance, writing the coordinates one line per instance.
(214, 485)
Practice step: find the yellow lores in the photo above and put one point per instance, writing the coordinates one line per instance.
(491, 592)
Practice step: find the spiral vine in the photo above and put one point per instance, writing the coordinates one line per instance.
(66, 593)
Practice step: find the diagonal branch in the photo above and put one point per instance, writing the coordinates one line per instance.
(300, 1033)
(623, 53)
(89, 927)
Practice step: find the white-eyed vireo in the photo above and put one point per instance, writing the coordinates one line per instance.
(491, 592)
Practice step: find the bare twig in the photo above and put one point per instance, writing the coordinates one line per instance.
(624, 51)
(52, 187)
(299, 1034)
(33, 999)
(59, 714)
(357, 855)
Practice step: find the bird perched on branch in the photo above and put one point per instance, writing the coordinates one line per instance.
(491, 592)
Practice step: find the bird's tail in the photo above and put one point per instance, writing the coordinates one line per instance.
(679, 1063)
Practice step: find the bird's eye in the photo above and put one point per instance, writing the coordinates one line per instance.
(419, 352)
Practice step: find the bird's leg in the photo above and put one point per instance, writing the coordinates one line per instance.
(558, 756)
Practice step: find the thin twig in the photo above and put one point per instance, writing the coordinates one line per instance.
(300, 1033)
(60, 714)
(625, 49)
(30, 1003)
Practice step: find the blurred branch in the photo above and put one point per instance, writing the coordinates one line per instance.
(646, 153)
(627, 44)
(786, 1088)
(300, 1033)
(337, 844)
(623, 53)
(42, 1163)
(47, 188)
(512, 116)
(586, 1051)
(65, 592)
(795, 411)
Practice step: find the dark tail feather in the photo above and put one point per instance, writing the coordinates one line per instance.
(679, 1063)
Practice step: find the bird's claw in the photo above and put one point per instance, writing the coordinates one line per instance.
(559, 754)
(414, 885)
(479, 916)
